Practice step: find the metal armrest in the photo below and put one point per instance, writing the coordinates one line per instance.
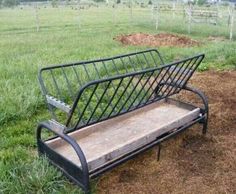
(205, 110)
(69, 140)
(201, 95)
(191, 89)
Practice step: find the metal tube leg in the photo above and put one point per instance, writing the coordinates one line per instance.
(204, 129)
(87, 190)
(159, 152)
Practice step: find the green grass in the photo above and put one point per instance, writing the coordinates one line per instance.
(60, 40)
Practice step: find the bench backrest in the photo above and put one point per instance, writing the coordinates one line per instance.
(60, 83)
(120, 85)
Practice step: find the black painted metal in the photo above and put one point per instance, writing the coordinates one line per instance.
(93, 91)
(93, 95)
(79, 176)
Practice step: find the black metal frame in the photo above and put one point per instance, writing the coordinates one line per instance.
(136, 87)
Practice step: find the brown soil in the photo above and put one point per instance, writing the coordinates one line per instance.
(216, 38)
(191, 162)
(162, 39)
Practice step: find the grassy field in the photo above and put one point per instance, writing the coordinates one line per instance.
(68, 35)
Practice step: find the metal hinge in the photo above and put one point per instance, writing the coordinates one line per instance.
(59, 104)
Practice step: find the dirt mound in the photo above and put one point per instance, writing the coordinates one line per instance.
(162, 39)
(189, 163)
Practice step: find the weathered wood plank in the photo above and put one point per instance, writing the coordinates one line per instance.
(111, 139)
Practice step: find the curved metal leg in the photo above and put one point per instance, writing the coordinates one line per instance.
(159, 152)
(204, 129)
(205, 110)
(84, 166)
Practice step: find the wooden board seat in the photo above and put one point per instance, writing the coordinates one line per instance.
(111, 139)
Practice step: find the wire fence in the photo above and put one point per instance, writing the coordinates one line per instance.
(163, 17)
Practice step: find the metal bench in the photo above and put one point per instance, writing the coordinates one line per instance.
(106, 111)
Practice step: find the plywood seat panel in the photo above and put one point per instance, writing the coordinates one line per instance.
(111, 139)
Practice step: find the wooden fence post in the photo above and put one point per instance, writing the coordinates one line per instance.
(152, 10)
(189, 18)
(173, 10)
(36, 16)
(157, 17)
(231, 24)
(229, 13)
(78, 7)
(114, 13)
(131, 10)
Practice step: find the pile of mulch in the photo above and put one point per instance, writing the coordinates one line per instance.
(156, 40)
(191, 162)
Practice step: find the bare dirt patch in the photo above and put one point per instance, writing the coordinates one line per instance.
(162, 39)
(191, 162)
(216, 38)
